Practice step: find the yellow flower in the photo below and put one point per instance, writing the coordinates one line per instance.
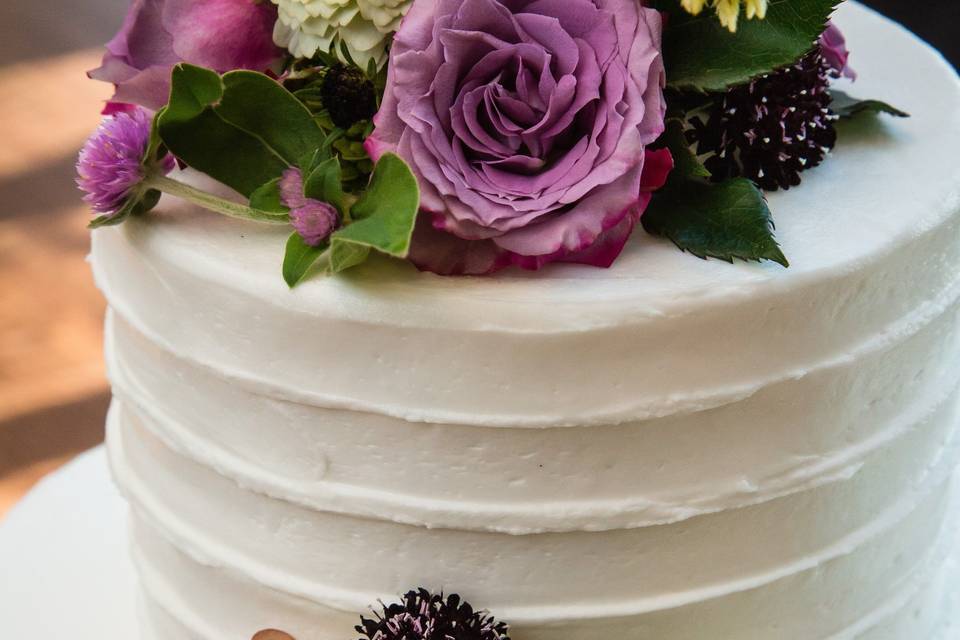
(728, 11)
(756, 8)
(693, 6)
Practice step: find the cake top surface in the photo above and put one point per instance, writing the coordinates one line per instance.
(885, 184)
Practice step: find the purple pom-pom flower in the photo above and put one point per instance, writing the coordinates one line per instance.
(526, 123)
(112, 166)
(313, 220)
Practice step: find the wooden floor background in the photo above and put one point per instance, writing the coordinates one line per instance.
(53, 394)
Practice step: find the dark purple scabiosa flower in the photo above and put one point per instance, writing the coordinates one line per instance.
(312, 219)
(425, 616)
(112, 167)
(770, 129)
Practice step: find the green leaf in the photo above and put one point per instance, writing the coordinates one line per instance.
(155, 146)
(701, 54)
(705, 218)
(323, 184)
(267, 198)
(298, 259)
(383, 217)
(847, 106)
(343, 255)
(242, 129)
(260, 106)
(686, 164)
(729, 220)
(136, 205)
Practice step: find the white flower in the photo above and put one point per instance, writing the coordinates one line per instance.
(385, 14)
(307, 26)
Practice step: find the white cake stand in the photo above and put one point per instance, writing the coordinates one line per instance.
(64, 568)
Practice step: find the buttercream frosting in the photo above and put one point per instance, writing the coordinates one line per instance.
(671, 448)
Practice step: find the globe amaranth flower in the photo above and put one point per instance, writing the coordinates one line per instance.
(426, 616)
(526, 123)
(157, 34)
(111, 166)
(313, 220)
(728, 11)
(308, 26)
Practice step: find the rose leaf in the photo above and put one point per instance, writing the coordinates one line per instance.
(728, 220)
(702, 55)
(847, 106)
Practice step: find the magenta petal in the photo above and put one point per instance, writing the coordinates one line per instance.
(445, 254)
(157, 34)
(605, 249)
(657, 165)
(223, 34)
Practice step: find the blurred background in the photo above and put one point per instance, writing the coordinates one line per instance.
(53, 393)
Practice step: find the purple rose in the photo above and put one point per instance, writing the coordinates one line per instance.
(834, 48)
(526, 123)
(157, 34)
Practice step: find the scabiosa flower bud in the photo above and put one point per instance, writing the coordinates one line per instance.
(772, 128)
(112, 167)
(348, 95)
(424, 616)
(312, 219)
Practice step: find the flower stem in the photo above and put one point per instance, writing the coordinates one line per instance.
(212, 202)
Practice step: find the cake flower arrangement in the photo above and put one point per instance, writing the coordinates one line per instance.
(471, 135)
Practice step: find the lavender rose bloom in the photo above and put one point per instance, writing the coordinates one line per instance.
(526, 123)
(157, 34)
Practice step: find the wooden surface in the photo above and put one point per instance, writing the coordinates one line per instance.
(53, 394)
(52, 385)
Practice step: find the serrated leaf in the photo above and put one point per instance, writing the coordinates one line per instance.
(701, 54)
(267, 198)
(242, 129)
(686, 164)
(847, 106)
(728, 220)
(298, 258)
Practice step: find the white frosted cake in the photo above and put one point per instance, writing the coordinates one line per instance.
(669, 449)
